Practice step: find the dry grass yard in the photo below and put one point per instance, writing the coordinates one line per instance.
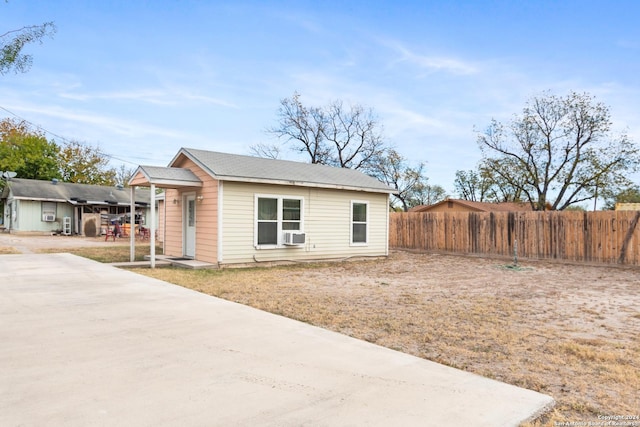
(570, 331)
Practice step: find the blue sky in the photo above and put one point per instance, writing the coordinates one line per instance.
(140, 79)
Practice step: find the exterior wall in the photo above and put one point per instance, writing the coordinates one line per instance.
(206, 215)
(326, 222)
(28, 216)
(161, 217)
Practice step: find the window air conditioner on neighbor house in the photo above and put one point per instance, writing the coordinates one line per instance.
(293, 238)
(48, 217)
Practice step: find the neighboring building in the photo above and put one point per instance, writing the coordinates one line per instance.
(34, 206)
(627, 207)
(456, 205)
(228, 209)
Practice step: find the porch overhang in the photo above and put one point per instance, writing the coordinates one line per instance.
(164, 177)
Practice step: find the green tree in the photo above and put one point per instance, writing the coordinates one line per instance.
(559, 151)
(27, 152)
(13, 42)
(470, 186)
(427, 194)
(123, 175)
(629, 194)
(483, 185)
(83, 164)
(500, 180)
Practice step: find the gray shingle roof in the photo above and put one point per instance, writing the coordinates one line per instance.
(70, 192)
(235, 167)
(158, 173)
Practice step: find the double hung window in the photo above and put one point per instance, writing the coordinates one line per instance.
(359, 223)
(275, 214)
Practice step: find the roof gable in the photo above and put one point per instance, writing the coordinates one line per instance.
(235, 167)
(165, 177)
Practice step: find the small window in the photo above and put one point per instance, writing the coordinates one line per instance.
(359, 222)
(191, 209)
(267, 221)
(291, 214)
(274, 215)
(48, 211)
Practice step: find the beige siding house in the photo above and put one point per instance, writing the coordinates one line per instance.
(231, 209)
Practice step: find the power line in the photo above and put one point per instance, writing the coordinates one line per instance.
(46, 131)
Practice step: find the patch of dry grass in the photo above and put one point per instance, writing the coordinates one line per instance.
(548, 327)
(4, 250)
(107, 253)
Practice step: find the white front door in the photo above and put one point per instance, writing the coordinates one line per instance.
(190, 225)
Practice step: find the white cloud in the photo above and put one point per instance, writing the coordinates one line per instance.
(162, 96)
(432, 63)
(108, 125)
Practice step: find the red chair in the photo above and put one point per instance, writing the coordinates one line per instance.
(110, 233)
(145, 233)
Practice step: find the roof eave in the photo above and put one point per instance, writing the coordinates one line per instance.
(39, 199)
(174, 183)
(304, 184)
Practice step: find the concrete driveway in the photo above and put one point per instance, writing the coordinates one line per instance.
(87, 344)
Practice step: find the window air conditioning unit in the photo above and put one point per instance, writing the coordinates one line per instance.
(294, 238)
(48, 217)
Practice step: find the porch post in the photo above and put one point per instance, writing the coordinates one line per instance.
(132, 224)
(152, 228)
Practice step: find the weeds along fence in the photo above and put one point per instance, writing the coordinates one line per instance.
(604, 236)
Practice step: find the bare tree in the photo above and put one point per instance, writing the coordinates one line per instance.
(355, 135)
(332, 135)
(269, 151)
(304, 128)
(410, 182)
(558, 151)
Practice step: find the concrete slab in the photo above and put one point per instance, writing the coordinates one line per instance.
(190, 264)
(84, 343)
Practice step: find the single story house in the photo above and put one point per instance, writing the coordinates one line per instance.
(36, 206)
(456, 205)
(225, 208)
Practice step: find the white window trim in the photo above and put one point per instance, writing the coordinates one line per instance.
(48, 208)
(351, 242)
(280, 198)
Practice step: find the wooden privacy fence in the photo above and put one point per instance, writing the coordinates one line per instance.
(604, 236)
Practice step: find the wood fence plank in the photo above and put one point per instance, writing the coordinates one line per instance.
(602, 236)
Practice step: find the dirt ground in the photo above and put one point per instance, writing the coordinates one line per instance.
(21, 243)
(567, 330)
